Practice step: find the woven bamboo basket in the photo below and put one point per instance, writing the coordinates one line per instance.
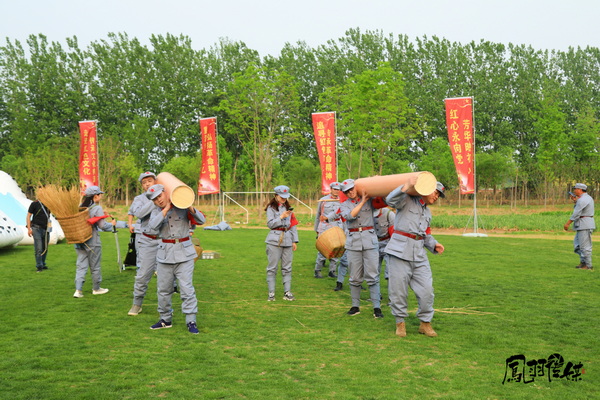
(331, 242)
(197, 247)
(76, 227)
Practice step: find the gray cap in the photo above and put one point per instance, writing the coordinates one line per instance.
(92, 191)
(154, 191)
(440, 188)
(580, 186)
(347, 185)
(283, 191)
(145, 175)
(335, 185)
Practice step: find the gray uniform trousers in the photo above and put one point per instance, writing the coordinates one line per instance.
(89, 254)
(383, 257)
(363, 267)
(583, 246)
(166, 274)
(274, 255)
(416, 275)
(321, 260)
(342, 268)
(146, 258)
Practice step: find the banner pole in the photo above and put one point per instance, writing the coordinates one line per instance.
(475, 222)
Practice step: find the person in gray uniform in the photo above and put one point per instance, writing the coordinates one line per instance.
(281, 242)
(175, 257)
(362, 247)
(326, 218)
(583, 222)
(89, 253)
(146, 241)
(384, 226)
(407, 260)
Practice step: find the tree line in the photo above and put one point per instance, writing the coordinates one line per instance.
(536, 111)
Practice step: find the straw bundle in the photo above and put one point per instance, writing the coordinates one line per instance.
(64, 204)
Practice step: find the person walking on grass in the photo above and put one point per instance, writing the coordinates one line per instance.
(282, 241)
(362, 247)
(89, 254)
(175, 257)
(583, 222)
(407, 261)
(38, 227)
(146, 240)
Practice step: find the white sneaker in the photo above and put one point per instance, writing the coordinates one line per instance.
(78, 293)
(135, 310)
(100, 291)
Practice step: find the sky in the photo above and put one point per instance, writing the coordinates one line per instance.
(267, 25)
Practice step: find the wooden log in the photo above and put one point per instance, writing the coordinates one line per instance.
(383, 185)
(181, 195)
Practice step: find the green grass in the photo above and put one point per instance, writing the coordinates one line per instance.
(496, 297)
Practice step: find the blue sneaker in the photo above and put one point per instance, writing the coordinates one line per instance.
(162, 324)
(193, 328)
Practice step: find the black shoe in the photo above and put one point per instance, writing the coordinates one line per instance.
(44, 267)
(332, 274)
(318, 275)
(377, 313)
(354, 311)
(338, 286)
(39, 270)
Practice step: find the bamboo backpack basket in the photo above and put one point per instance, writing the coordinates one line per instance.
(76, 227)
(332, 242)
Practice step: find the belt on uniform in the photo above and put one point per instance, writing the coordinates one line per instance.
(281, 229)
(587, 216)
(150, 236)
(362, 228)
(185, 239)
(381, 239)
(410, 235)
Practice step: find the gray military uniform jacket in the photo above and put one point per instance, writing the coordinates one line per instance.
(174, 226)
(95, 210)
(358, 237)
(141, 208)
(414, 217)
(328, 209)
(282, 233)
(583, 213)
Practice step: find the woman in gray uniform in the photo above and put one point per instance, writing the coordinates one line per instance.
(281, 241)
(89, 253)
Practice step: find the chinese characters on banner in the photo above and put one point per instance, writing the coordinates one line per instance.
(88, 155)
(324, 128)
(459, 119)
(209, 174)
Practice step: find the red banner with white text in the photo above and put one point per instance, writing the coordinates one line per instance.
(209, 173)
(88, 155)
(461, 136)
(324, 129)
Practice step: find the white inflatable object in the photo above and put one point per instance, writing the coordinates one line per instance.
(10, 233)
(18, 211)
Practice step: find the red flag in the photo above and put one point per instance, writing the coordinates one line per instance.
(209, 174)
(88, 155)
(461, 136)
(324, 129)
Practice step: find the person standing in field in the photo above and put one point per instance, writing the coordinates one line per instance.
(89, 254)
(175, 257)
(38, 227)
(146, 240)
(282, 241)
(362, 247)
(407, 261)
(583, 222)
(326, 218)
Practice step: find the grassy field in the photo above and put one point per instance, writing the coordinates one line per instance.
(495, 298)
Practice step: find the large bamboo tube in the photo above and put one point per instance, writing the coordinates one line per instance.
(182, 196)
(383, 185)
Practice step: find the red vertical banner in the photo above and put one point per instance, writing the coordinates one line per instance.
(209, 173)
(459, 120)
(324, 129)
(88, 155)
